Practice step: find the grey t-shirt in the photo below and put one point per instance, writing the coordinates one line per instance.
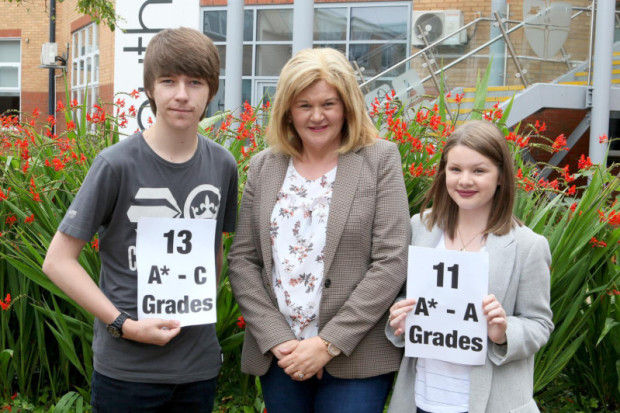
(128, 181)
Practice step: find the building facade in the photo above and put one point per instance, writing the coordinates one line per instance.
(374, 35)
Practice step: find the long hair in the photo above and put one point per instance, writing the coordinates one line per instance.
(486, 139)
(301, 71)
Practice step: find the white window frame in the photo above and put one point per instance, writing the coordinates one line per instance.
(85, 51)
(347, 42)
(13, 91)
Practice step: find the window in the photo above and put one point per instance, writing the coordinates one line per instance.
(374, 35)
(10, 74)
(85, 66)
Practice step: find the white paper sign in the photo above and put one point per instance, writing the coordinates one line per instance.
(140, 21)
(176, 270)
(447, 322)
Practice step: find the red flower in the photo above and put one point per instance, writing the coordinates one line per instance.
(602, 139)
(571, 190)
(74, 104)
(241, 322)
(36, 114)
(120, 102)
(30, 219)
(584, 163)
(6, 303)
(560, 144)
(95, 244)
(573, 207)
(10, 220)
(135, 94)
(416, 171)
(70, 125)
(597, 243)
(4, 195)
(60, 106)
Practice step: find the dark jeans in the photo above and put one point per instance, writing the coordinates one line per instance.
(110, 395)
(330, 394)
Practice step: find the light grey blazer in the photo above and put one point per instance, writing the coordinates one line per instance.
(364, 269)
(519, 277)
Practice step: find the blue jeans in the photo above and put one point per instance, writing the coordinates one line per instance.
(330, 394)
(111, 395)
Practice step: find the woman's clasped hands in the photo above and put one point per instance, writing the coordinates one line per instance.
(303, 359)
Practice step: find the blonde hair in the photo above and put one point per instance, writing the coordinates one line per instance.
(300, 72)
(486, 139)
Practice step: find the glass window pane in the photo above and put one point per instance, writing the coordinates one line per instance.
(217, 104)
(275, 25)
(81, 42)
(221, 50)
(339, 46)
(74, 76)
(379, 23)
(248, 25)
(375, 58)
(247, 60)
(81, 79)
(96, 69)
(330, 24)
(9, 77)
(9, 51)
(87, 40)
(95, 38)
(270, 59)
(215, 25)
(246, 90)
(74, 45)
(89, 71)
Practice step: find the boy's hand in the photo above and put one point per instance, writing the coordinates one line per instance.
(151, 330)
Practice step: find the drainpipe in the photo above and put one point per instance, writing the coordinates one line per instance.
(603, 51)
(51, 98)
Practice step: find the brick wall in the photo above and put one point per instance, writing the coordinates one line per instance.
(31, 25)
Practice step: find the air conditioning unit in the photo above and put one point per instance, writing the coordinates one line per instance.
(49, 51)
(436, 24)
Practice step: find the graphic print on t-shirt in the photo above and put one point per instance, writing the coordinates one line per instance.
(203, 202)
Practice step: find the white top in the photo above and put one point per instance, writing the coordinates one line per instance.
(298, 231)
(440, 386)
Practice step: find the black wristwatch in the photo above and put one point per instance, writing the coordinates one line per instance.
(116, 327)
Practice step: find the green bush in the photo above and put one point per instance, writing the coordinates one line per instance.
(45, 353)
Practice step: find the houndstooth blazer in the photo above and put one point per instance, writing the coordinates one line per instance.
(365, 261)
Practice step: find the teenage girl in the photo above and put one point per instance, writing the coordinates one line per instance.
(472, 201)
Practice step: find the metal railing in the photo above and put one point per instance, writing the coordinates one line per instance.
(519, 53)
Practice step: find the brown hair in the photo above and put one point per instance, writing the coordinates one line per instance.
(486, 139)
(301, 71)
(181, 51)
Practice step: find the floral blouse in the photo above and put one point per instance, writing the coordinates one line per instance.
(298, 231)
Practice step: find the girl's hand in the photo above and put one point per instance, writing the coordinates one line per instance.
(497, 323)
(398, 314)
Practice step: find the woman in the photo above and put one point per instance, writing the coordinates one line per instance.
(320, 249)
(473, 196)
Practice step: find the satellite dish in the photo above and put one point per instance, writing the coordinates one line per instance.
(546, 25)
(431, 25)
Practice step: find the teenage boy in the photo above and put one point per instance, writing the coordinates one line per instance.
(150, 365)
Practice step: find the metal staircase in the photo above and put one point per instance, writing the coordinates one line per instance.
(561, 80)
